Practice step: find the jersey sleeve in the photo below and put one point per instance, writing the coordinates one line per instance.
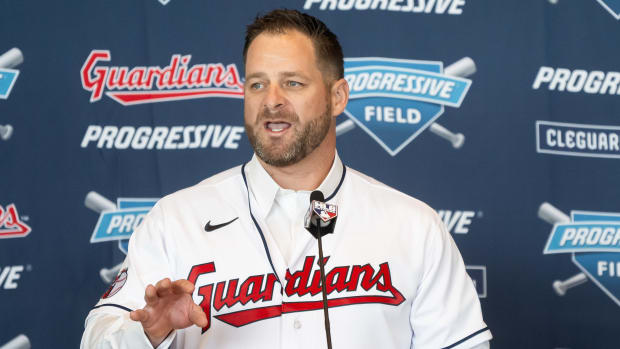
(446, 311)
(108, 324)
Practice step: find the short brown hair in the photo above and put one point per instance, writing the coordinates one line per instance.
(328, 50)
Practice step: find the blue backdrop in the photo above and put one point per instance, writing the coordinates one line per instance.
(502, 115)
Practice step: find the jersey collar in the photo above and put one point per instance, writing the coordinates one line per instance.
(264, 188)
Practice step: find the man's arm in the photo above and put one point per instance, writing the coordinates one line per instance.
(446, 310)
(135, 314)
(105, 330)
(169, 306)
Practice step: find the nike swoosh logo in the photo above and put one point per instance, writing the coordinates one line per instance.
(209, 227)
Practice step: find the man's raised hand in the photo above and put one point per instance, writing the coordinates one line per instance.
(169, 306)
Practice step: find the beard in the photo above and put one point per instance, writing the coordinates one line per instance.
(279, 152)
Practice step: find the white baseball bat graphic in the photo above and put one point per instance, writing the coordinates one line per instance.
(19, 342)
(561, 286)
(11, 58)
(457, 139)
(553, 215)
(462, 68)
(6, 132)
(344, 127)
(100, 203)
(108, 275)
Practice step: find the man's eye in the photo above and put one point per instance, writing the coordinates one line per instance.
(292, 83)
(257, 85)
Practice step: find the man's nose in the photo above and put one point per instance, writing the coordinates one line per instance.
(274, 99)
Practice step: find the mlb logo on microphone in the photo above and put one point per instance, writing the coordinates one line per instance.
(394, 100)
(593, 240)
(324, 210)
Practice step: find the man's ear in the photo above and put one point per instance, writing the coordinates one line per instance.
(339, 96)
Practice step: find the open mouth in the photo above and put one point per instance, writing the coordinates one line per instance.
(277, 126)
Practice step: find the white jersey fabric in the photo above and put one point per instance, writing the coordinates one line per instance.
(395, 278)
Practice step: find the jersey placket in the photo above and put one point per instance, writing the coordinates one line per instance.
(298, 326)
(300, 329)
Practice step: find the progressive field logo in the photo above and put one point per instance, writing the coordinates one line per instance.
(394, 100)
(593, 241)
(116, 222)
(177, 81)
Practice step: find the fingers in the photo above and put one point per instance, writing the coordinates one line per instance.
(150, 295)
(139, 315)
(197, 316)
(167, 294)
(163, 287)
(182, 286)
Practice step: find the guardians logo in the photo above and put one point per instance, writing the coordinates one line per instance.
(176, 81)
(394, 100)
(593, 241)
(348, 285)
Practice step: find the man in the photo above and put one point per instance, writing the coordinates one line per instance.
(245, 269)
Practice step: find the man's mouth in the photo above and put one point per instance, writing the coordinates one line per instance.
(277, 126)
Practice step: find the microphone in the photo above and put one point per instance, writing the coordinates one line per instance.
(321, 217)
(320, 220)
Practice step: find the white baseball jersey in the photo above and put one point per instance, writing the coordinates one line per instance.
(394, 276)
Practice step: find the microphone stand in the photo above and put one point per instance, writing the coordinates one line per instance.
(323, 286)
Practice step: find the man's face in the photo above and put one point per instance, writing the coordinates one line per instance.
(287, 106)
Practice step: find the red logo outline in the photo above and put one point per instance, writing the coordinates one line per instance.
(10, 224)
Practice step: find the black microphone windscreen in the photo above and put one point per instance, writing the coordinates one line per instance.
(317, 195)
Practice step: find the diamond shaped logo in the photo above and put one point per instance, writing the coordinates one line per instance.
(601, 268)
(593, 239)
(612, 6)
(394, 100)
(118, 224)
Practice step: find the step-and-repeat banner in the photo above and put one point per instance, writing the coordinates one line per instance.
(504, 116)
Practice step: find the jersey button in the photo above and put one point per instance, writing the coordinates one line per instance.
(297, 324)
